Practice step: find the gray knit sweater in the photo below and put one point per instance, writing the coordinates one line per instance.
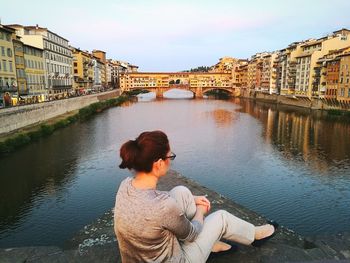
(149, 225)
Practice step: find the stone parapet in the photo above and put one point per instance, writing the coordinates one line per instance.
(14, 118)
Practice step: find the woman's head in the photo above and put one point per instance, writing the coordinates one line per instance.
(141, 153)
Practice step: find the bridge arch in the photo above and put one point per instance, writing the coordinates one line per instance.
(228, 90)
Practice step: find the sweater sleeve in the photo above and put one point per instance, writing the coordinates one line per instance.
(176, 222)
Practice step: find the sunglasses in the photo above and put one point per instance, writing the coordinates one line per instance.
(171, 156)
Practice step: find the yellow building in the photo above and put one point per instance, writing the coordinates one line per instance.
(8, 81)
(35, 73)
(225, 65)
(312, 51)
(242, 76)
(57, 57)
(159, 82)
(20, 66)
(83, 71)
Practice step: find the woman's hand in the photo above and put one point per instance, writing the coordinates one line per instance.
(202, 201)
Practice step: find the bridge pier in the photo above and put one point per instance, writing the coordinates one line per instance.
(199, 93)
(159, 93)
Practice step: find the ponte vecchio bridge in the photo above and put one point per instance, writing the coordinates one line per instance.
(198, 83)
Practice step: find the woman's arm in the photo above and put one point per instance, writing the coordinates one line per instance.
(200, 212)
(176, 221)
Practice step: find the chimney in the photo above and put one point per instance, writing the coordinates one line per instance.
(37, 26)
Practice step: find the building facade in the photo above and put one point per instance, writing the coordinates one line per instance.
(20, 66)
(102, 66)
(307, 63)
(35, 73)
(343, 92)
(83, 71)
(57, 55)
(8, 78)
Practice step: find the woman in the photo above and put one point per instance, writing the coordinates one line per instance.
(159, 226)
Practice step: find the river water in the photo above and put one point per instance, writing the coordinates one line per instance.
(290, 165)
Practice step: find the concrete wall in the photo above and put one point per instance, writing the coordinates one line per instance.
(14, 118)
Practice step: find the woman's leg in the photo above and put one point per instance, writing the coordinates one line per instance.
(185, 200)
(217, 225)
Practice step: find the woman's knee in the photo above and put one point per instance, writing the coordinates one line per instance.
(180, 190)
(219, 215)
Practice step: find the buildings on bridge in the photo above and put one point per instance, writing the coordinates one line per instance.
(159, 82)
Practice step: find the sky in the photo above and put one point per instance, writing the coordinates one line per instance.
(163, 36)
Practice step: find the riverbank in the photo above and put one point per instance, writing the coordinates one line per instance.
(333, 106)
(96, 242)
(13, 140)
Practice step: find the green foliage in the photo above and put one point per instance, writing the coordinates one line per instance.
(18, 140)
(61, 124)
(14, 142)
(199, 69)
(73, 118)
(46, 129)
(35, 135)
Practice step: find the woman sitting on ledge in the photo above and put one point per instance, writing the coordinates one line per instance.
(159, 226)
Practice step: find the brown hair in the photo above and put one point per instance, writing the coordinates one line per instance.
(141, 153)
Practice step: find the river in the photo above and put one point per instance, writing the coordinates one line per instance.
(290, 165)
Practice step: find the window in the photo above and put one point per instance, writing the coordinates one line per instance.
(8, 37)
(10, 64)
(4, 65)
(3, 51)
(342, 91)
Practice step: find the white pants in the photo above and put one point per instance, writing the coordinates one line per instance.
(217, 225)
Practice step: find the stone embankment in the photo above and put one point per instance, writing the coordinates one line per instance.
(97, 243)
(15, 118)
(313, 103)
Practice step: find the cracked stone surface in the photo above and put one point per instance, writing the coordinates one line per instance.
(96, 242)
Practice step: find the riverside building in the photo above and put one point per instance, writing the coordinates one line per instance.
(8, 78)
(57, 56)
(83, 70)
(286, 68)
(22, 88)
(35, 73)
(343, 91)
(100, 68)
(312, 51)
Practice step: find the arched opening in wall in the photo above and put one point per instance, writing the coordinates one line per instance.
(178, 94)
(217, 94)
(142, 94)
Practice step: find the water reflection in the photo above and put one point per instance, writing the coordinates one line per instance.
(303, 135)
(222, 117)
(289, 165)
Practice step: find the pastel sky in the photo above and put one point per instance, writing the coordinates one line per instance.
(161, 35)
